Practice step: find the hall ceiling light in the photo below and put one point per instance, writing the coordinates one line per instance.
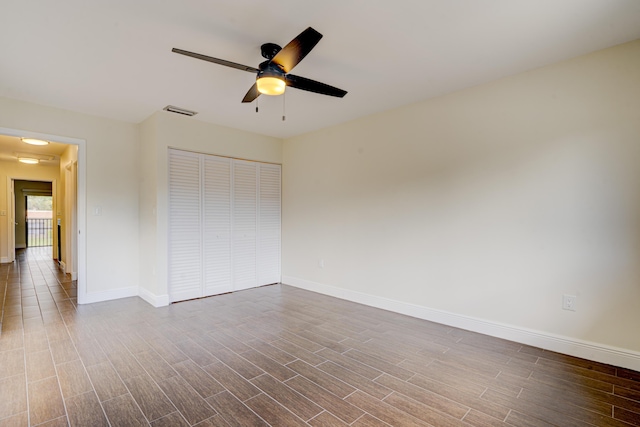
(28, 160)
(34, 141)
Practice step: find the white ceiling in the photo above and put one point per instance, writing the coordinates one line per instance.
(113, 58)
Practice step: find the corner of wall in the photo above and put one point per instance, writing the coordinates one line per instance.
(154, 300)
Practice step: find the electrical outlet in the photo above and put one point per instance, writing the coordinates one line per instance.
(321, 263)
(569, 302)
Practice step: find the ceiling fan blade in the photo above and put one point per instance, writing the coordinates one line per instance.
(297, 49)
(251, 94)
(216, 60)
(313, 86)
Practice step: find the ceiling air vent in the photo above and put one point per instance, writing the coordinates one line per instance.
(178, 110)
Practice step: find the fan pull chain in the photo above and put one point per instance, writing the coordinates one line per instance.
(257, 104)
(284, 106)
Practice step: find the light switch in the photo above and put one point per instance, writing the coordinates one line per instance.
(97, 210)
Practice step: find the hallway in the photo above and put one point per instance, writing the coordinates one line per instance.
(33, 291)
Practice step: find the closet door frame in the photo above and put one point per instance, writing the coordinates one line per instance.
(260, 277)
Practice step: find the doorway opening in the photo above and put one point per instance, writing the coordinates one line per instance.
(34, 214)
(68, 215)
(39, 221)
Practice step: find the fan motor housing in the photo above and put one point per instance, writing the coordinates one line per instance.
(268, 68)
(269, 50)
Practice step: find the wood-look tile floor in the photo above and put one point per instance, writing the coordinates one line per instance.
(276, 356)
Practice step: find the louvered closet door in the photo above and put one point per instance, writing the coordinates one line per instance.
(244, 224)
(269, 225)
(217, 225)
(185, 281)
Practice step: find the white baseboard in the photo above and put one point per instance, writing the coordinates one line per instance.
(154, 300)
(74, 275)
(21, 246)
(110, 295)
(567, 345)
(4, 260)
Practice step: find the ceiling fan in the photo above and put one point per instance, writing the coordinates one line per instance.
(272, 76)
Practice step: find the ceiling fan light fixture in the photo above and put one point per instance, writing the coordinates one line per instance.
(34, 141)
(28, 160)
(270, 85)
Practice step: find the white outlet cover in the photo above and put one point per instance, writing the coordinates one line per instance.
(569, 302)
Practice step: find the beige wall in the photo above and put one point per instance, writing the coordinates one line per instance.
(68, 254)
(489, 203)
(158, 133)
(111, 183)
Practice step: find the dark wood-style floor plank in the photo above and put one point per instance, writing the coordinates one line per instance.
(234, 412)
(383, 411)
(325, 419)
(197, 378)
(272, 412)
(434, 400)
(232, 381)
(106, 381)
(45, 401)
(356, 381)
(324, 380)
(85, 410)
(14, 396)
(287, 397)
(332, 403)
(123, 411)
(190, 404)
(152, 401)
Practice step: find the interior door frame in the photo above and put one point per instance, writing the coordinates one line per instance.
(81, 205)
(11, 220)
(11, 232)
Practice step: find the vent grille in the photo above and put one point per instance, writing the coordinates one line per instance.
(178, 110)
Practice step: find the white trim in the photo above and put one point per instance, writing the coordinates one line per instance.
(154, 300)
(4, 260)
(111, 294)
(567, 345)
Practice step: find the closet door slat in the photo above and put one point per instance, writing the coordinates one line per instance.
(244, 224)
(269, 225)
(184, 264)
(217, 225)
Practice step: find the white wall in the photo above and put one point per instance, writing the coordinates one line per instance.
(111, 183)
(158, 133)
(484, 207)
(147, 172)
